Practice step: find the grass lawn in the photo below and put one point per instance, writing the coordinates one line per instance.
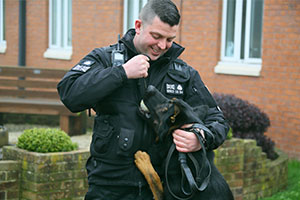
(292, 191)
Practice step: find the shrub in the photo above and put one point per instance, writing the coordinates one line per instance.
(229, 134)
(246, 121)
(45, 140)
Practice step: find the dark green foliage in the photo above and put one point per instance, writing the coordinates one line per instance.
(46, 140)
(247, 121)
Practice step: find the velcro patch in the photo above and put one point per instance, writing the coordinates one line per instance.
(173, 88)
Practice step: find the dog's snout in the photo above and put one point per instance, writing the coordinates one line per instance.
(151, 90)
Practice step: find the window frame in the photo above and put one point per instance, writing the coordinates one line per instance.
(60, 50)
(2, 27)
(235, 65)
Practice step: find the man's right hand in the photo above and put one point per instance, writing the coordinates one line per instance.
(137, 67)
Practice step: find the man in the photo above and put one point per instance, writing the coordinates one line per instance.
(115, 92)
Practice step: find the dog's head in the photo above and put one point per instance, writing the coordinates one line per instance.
(166, 115)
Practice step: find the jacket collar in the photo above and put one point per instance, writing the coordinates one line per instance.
(174, 52)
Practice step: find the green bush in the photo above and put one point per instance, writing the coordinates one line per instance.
(45, 140)
(229, 134)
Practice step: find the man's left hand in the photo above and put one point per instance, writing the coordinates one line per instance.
(186, 141)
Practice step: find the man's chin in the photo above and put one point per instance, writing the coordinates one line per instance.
(155, 57)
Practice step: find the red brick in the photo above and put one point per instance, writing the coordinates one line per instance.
(97, 23)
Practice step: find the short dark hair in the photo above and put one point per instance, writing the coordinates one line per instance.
(166, 10)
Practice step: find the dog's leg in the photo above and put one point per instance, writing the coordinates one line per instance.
(142, 161)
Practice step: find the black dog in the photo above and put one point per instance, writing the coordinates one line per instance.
(187, 176)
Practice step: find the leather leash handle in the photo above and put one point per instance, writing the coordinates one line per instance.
(186, 171)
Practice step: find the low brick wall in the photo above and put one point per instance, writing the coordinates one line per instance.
(9, 179)
(50, 175)
(63, 175)
(248, 171)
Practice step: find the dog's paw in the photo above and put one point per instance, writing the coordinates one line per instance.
(142, 160)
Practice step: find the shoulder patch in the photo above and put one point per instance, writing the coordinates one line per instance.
(81, 68)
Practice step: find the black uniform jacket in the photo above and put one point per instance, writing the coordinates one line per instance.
(119, 131)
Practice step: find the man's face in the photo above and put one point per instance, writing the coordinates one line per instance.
(154, 39)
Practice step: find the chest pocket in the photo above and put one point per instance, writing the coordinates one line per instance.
(176, 80)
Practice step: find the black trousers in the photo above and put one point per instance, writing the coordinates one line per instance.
(100, 192)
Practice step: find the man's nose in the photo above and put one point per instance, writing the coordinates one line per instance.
(162, 44)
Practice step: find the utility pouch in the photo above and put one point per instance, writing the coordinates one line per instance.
(125, 142)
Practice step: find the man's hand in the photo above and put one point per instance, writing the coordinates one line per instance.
(186, 141)
(137, 67)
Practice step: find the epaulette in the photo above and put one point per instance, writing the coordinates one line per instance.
(179, 71)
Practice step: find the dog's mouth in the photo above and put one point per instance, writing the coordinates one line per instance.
(158, 111)
(150, 101)
(144, 109)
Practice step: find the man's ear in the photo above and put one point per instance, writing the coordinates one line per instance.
(138, 26)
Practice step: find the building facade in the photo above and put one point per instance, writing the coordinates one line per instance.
(248, 48)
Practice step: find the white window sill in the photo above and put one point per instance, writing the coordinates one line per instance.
(61, 54)
(3, 47)
(243, 69)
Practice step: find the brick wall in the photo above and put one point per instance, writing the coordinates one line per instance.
(48, 175)
(200, 34)
(281, 73)
(11, 34)
(9, 179)
(277, 90)
(97, 23)
(248, 172)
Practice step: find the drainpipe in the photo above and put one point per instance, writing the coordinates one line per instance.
(22, 33)
(181, 22)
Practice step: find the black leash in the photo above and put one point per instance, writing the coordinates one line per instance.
(186, 171)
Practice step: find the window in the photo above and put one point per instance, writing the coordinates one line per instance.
(132, 9)
(241, 37)
(2, 27)
(60, 30)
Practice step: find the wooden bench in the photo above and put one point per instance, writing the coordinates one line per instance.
(33, 91)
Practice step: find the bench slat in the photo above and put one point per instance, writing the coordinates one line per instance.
(28, 83)
(31, 72)
(29, 93)
(39, 95)
(34, 108)
(54, 102)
